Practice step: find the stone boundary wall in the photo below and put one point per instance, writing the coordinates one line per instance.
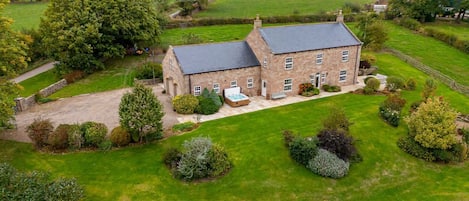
(148, 81)
(23, 104)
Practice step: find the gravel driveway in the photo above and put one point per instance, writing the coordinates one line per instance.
(99, 107)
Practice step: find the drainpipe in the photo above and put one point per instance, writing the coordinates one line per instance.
(357, 64)
(190, 85)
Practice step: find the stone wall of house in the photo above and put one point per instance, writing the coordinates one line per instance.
(224, 79)
(53, 88)
(173, 78)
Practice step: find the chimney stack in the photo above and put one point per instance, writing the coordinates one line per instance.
(340, 17)
(257, 22)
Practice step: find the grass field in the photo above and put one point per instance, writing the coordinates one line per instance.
(38, 82)
(262, 168)
(249, 9)
(119, 74)
(25, 15)
(460, 30)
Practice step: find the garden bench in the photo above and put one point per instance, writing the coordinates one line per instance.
(278, 95)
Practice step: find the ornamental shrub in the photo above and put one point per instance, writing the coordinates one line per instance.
(184, 127)
(411, 84)
(59, 138)
(39, 132)
(330, 88)
(206, 106)
(372, 83)
(390, 109)
(185, 104)
(336, 120)
(215, 98)
(288, 137)
(119, 136)
(328, 164)
(94, 133)
(338, 143)
(410, 146)
(429, 89)
(218, 161)
(75, 137)
(194, 160)
(172, 157)
(302, 149)
(394, 83)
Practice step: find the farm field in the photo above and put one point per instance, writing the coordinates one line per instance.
(249, 9)
(262, 168)
(25, 15)
(460, 30)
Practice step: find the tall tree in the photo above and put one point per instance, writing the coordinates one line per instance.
(141, 113)
(422, 10)
(13, 58)
(372, 31)
(81, 34)
(461, 7)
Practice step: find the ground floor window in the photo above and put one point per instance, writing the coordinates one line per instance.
(323, 78)
(250, 82)
(216, 88)
(234, 83)
(342, 75)
(197, 90)
(287, 85)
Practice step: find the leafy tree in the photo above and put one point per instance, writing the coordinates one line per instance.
(81, 34)
(372, 31)
(140, 112)
(433, 124)
(13, 58)
(422, 10)
(461, 7)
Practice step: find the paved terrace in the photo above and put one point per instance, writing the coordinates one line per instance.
(260, 103)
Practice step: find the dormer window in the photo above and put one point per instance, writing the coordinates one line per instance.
(288, 63)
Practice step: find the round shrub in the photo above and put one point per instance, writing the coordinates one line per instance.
(327, 164)
(185, 104)
(172, 157)
(206, 106)
(338, 143)
(372, 83)
(75, 137)
(59, 138)
(394, 83)
(119, 136)
(411, 84)
(94, 133)
(302, 149)
(39, 132)
(218, 163)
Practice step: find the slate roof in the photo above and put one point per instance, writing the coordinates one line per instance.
(214, 57)
(300, 38)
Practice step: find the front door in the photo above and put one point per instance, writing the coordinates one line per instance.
(318, 80)
(264, 88)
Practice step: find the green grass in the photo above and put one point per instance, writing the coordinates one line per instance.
(38, 82)
(460, 30)
(25, 15)
(249, 8)
(430, 52)
(118, 74)
(262, 168)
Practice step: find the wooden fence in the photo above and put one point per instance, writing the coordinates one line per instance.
(432, 72)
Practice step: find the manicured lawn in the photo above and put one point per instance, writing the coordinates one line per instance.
(431, 52)
(262, 168)
(38, 82)
(249, 8)
(25, 15)
(460, 30)
(119, 74)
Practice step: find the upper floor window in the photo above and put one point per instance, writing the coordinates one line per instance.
(265, 62)
(342, 75)
(287, 84)
(250, 82)
(233, 83)
(345, 56)
(197, 90)
(319, 58)
(216, 88)
(288, 63)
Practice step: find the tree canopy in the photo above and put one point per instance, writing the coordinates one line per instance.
(422, 10)
(372, 31)
(81, 34)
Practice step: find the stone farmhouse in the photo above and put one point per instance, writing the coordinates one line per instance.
(271, 62)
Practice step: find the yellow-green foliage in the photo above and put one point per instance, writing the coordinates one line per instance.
(433, 124)
(119, 136)
(185, 104)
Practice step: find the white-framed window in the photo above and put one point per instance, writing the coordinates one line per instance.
(288, 63)
(287, 84)
(233, 83)
(323, 78)
(197, 90)
(265, 62)
(319, 58)
(342, 75)
(250, 82)
(216, 88)
(345, 56)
